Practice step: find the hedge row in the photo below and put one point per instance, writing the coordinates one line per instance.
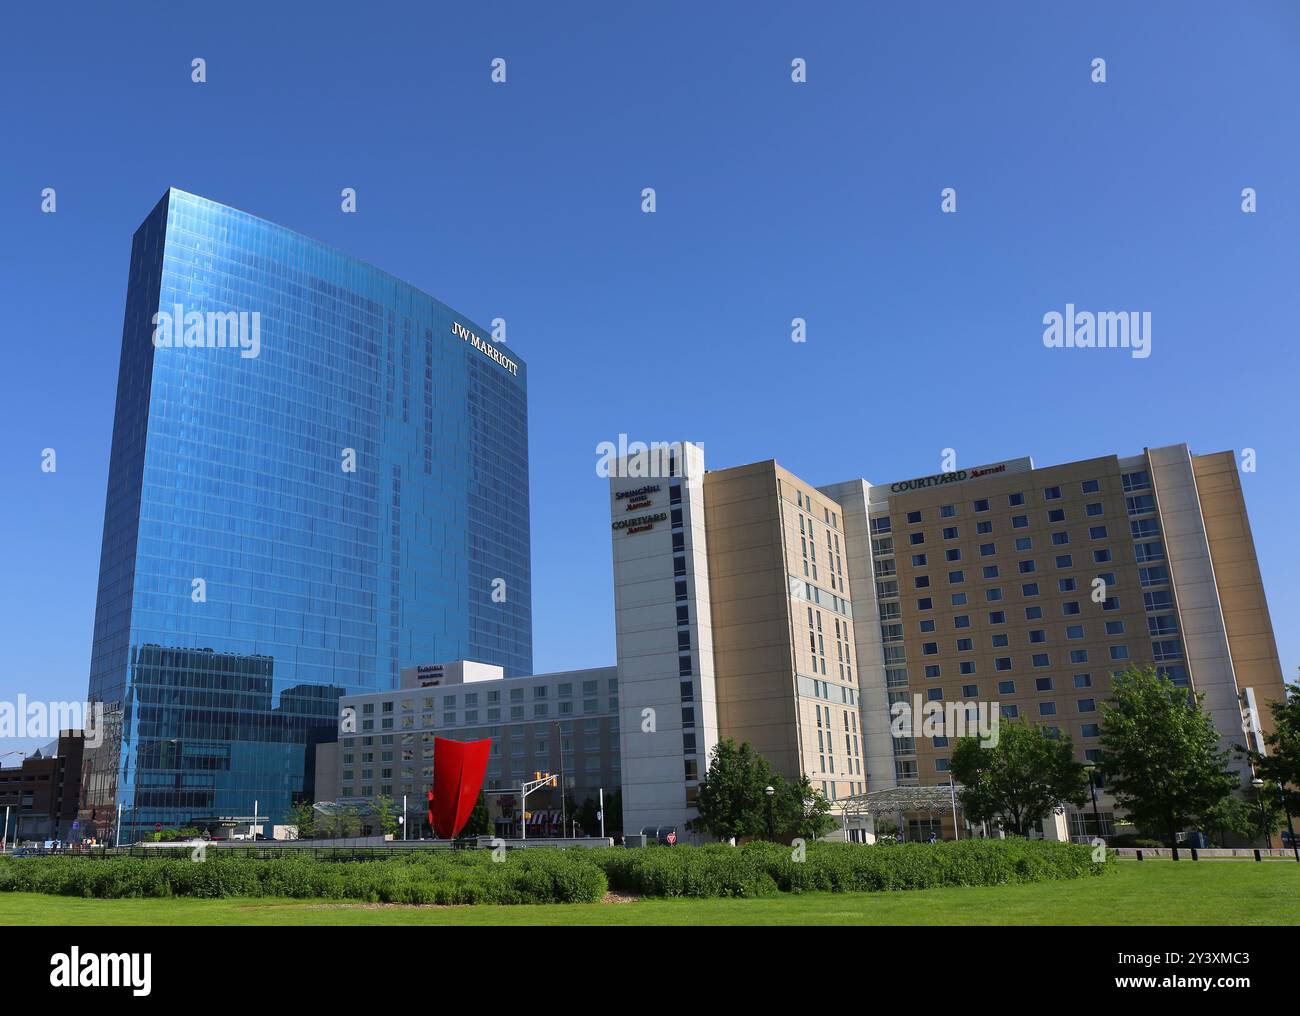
(562, 876)
(761, 869)
(550, 876)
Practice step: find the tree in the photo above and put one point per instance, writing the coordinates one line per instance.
(732, 799)
(801, 810)
(1160, 753)
(587, 818)
(385, 818)
(303, 817)
(1281, 765)
(1233, 815)
(479, 822)
(1021, 780)
(613, 812)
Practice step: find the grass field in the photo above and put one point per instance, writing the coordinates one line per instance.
(1148, 892)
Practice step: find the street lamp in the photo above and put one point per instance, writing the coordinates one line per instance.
(770, 791)
(1258, 784)
(1091, 767)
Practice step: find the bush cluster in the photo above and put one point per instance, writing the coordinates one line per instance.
(561, 876)
(533, 876)
(759, 869)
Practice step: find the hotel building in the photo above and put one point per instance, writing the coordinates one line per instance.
(290, 517)
(564, 723)
(795, 617)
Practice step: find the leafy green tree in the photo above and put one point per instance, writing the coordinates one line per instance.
(732, 798)
(1230, 815)
(613, 812)
(1281, 765)
(588, 821)
(1021, 780)
(479, 822)
(303, 816)
(1160, 753)
(385, 815)
(801, 810)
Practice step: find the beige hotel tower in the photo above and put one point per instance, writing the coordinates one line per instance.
(752, 605)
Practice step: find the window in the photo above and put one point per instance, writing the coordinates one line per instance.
(1019, 521)
(1083, 680)
(987, 550)
(1046, 708)
(925, 603)
(1114, 627)
(913, 518)
(1090, 486)
(1093, 508)
(983, 528)
(1006, 687)
(1101, 556)
(1015, 500)
(1119, 652)
(1064, 561)
(1097, 532)
(922, 581)
(966, 667)
(918, 560)
(1024, 543)
(934, 695)
(961, 621)
(1010, 712)
(1033, 613)
(965, 645)
(1067, 586)
(1027, 567)
(1041, 660)
(956, 577)
(982, 505)
(970, 691)
(997, 617)
(930, 648)
(993, 594)
(1056, 515)
(1002, 663)
(953, 555)
(958, 599)
(1042, 684)
(916, 539)
(1029, 589)
(990, 571)
(927, 626)
(1139, 480)
(1000, 641)
(1051, 493)
(947, 511)
(950, 533)
(1074, 631)
(1037, 636)
(931, 671)
(1090, 730)
(1078, 656)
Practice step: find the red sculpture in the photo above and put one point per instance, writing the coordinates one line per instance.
(458, 771)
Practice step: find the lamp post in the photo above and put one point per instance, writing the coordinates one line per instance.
(770, 791)
(1258, 784)
(1091, 767)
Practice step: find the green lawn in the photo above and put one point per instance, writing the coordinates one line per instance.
(1149, 892)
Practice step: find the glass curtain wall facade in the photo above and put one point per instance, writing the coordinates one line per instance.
(292, 516)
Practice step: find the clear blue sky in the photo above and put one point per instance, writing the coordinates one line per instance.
(775, 201)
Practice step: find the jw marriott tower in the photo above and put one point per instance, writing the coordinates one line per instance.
(318, 476)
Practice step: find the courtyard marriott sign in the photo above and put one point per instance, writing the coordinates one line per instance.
(939, 479)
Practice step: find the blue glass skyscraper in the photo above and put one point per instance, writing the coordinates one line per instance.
(319, 475)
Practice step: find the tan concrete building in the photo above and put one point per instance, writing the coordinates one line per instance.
(800, 618)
